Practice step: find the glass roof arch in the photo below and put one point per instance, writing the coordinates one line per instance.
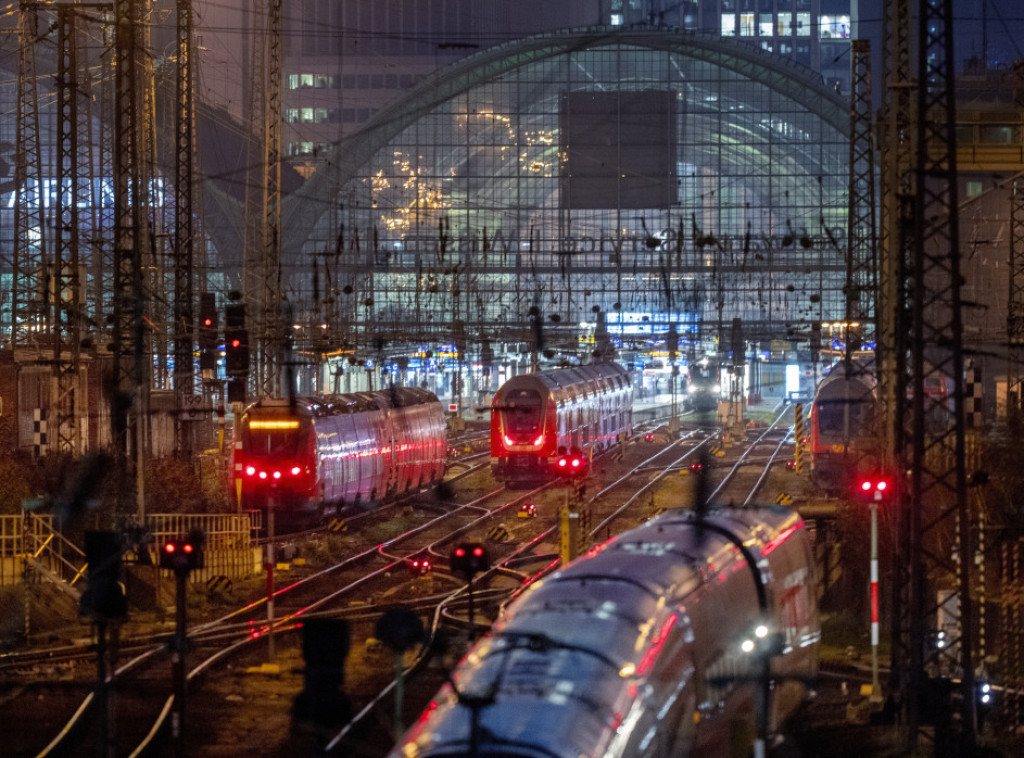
(646, 175)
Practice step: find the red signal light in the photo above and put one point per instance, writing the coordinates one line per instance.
(478, 551)
(460, 552)
(873, 489)
(236, 342)
(169, 547)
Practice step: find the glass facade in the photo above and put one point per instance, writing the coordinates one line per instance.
(464, 210)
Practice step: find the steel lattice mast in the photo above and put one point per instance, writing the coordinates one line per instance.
(132, 118)
(66, 328)
(28, 300)
(184, 323)
(1015, 309)
(861, 255)
(935, 526)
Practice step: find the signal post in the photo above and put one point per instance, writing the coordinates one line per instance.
(181, 556)
(573, 467)
(874, 490)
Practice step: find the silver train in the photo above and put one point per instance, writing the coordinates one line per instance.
(639, 648)
(353, 449)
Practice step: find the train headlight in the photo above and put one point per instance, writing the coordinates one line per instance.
(509, 442)
(277, 474)
(250, 470)
(296, 470)
(263, 475)
(747, 646)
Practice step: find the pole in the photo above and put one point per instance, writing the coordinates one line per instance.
(102, 692)
(472, 627)
(270, 578)
(876, 688)
(399, 691)
(178, 666)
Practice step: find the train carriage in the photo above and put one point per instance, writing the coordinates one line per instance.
(352, 449)
(843, 426)
(640, 648)
(537, 417)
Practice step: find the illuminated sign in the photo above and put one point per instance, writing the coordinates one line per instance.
(274, 425)
(97, 192)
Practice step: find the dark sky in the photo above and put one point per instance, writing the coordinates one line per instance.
(1005, 37)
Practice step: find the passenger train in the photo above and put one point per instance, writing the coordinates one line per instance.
(537, 417)
(649, 645)
(352, 449)
(704, 385)
(843, 426)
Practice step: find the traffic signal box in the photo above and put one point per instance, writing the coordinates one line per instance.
(874, 488)
(209, 328)
(469, 559)
(103, 596)
(182, 554)
(236, 340)
(571, 464)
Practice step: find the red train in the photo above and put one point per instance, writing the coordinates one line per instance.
(537, 417)
(353, 449)
(843, 427)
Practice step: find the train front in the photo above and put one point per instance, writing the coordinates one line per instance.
(274, 462)
(523, 435)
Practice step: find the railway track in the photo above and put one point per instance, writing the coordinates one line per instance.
(374, 577)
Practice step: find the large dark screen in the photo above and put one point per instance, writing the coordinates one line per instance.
(618, 148)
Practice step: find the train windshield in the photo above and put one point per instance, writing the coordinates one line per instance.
(842, 416)
(702, 373)
(266, 436)
(522, 412)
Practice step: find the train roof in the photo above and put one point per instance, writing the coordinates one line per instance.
(564, 656)
(857, 382)
(351, 402)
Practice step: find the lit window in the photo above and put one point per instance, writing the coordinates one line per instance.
(293, 81)
(784, 27)
(307, 114)
(746, 24)
(616, 19)
(306, 80)
(974, 189)
(835, 27)
(767, 25)
(803, 24)
(728, 24)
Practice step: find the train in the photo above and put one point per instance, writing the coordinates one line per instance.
(659, 642)
(843, 426)
(703, 386)
(311, 454)
(537, 417)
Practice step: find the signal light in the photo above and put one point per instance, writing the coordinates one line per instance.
(208, 328)
(469, 559)
(420, 565)
(571, 464)
(183, 554)
(236, 339)
(104, 596)
(873, 488)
